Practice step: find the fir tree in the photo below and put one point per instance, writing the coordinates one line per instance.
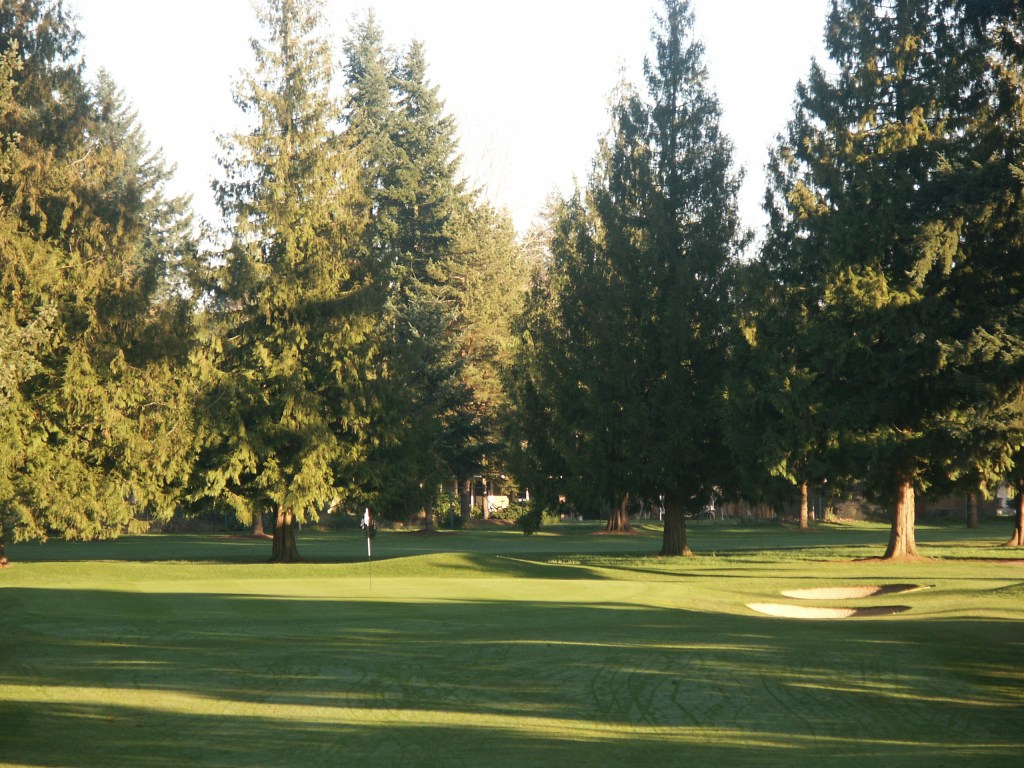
(988, 427)
(95, 386)
(488, 279)
(407, 149)
(641, 265)
(283, 420)
(878, 235)
(540, 432)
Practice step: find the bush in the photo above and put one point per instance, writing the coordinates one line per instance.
(511, 513)
(529, 518)
(451, 522)
(447, 512)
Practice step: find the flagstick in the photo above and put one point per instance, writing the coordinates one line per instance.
(369, 558)
(368, 526)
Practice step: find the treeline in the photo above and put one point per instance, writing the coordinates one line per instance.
(368, 329)
(877, 339)
(338, 349)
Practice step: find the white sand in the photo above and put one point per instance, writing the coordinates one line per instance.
(851, 593)
(811, 612)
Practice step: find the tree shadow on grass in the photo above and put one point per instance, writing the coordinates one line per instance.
(94, 678)
(316, 549)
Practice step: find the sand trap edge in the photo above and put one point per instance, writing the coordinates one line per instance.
(811, 612)
(853, 593)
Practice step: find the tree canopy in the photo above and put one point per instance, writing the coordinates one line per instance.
(94, 341)
(288, 321)
(365, 331)
(631, 353)
(873, 221)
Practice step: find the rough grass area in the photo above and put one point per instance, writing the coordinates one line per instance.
(488, 648)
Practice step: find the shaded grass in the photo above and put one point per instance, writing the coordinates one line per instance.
(490, 648)
(759, 543)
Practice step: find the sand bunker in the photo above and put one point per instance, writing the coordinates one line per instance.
(810, 612)
(837, 593)
(852, 593)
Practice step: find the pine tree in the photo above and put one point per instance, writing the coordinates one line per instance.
(700, 237)
(283, 417)
(540, 382)
(95, 389)
(642, 264)
(488, 279)
(878, 232)
(407, 149)
(771, 420)
(988, 428)
(592, 381)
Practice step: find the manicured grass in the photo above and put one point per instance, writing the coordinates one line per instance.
(488, 648)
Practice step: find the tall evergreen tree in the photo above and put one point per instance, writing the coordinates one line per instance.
(772, 425)
(407, 149)
(701, 235)
(989, 289)
(545, 442)
(878, 233)
(94, 386)
(283, 419)
(641, 264)
(488, 279)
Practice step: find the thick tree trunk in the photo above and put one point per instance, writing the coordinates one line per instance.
(804, 525)
(618, 517)
(466, 498)
(972, 510)
(1017, 540)
(901, 536)
(428, 520)
(285, 549)
(673, 538)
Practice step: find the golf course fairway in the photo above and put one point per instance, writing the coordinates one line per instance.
(489, 648)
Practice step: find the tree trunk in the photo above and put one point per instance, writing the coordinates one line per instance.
(901, 537)
(673, 538)
(618, 517)
(256, 531)
(804, 525)
(1018, 530)
(428, 520)
(466, 498)
(285, 549)
(972, 510)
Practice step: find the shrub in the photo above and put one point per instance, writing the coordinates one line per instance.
(529, 518)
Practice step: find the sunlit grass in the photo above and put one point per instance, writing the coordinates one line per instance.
(491, 648)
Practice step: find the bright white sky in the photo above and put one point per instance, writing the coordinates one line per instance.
(528, 81)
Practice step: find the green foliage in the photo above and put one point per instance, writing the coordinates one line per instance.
(884, 254)
(437, 250)
(446, 509)
(528, 517)
(405, 151)
(94, 335)
(618, 383)
(490, 278)
(286, 331)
